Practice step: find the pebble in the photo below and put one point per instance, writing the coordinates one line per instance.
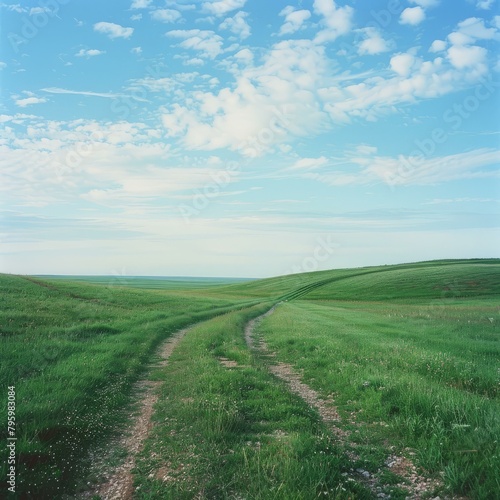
(364, 473)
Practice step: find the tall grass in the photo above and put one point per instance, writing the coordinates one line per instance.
(413, 347)
(72, 351)
(430, 375)
(235, 432)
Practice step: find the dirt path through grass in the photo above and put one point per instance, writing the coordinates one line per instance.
(416, 485)
(120, 485)
(287, 373)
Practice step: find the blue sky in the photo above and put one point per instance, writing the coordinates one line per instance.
(247, 137)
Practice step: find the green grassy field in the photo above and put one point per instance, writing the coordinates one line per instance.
(149, 282)
(411, 353)
(73, 350)
(416, 376)
(234, 432)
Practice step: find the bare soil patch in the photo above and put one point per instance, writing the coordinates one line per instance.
(227, 363)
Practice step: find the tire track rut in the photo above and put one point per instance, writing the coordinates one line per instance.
(417, 486)
(120, 485)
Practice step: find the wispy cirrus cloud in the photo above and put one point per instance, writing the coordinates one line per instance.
(305, 164)
(14, 7)
(107, 95)
(365, 167)
(448, 201)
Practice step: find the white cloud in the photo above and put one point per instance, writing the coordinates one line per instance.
(206, 42)
(415, 79)
(15, 8)
(38, 10)
(140, 4)
(28, 101)
(89, 52)
(166, 15)
(266, 106)
(136, 50)
(297, 75)
(438, 46)
(244, 55)
(485, 4)
(222, 7)
(474, 27)
(136, 17)
(402, 64)
(466, 56)
(412, 16)
(294, 20)
(194, 61)
(373, 43)
(338, 20)
(462, 53)
(237, 25)
(2, 65)
(67, 159)
(113, 30)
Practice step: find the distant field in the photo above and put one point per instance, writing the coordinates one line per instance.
(410, 352)
(149, 282)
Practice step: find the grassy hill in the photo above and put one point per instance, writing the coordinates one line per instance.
(423, 280)
(430, 281)
(426, 332)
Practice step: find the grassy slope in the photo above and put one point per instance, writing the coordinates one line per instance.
(416, 349)
(73, 349)
(433, 281)
(295, 285)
